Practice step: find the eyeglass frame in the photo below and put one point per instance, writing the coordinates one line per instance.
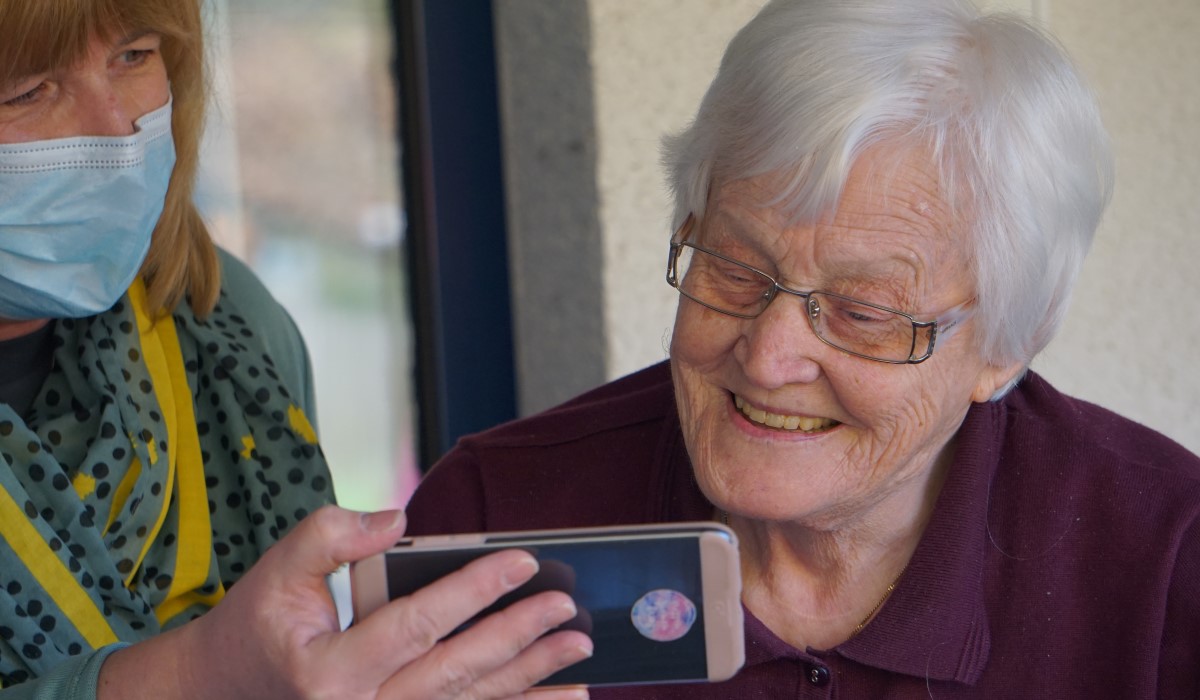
(943, 325)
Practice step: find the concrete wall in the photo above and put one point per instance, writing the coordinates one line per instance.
(555, 236)
(589, 87)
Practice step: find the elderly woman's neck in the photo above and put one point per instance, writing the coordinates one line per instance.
(832, 572)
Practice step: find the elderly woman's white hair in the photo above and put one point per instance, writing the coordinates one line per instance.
(808, 85)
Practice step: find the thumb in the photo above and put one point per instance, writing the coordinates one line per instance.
(332, 536)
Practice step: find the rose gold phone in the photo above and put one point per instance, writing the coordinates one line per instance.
(662, 603)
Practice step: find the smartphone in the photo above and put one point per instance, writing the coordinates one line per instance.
(662, 603)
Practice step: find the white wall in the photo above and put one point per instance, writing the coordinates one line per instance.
(1130, 340)
(653, 60)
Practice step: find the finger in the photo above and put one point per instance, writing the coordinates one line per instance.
(498, 642)
(332, 536)
(405, 629)
(540, 660)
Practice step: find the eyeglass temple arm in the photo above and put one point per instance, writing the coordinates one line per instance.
(681, 235)
(672, 258)
(943, 328)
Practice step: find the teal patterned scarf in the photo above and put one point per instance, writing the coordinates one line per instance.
(159, 460)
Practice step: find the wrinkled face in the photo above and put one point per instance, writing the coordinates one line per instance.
(116, 82)
(783, 427)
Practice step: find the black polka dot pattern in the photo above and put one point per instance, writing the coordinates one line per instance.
(88, 466)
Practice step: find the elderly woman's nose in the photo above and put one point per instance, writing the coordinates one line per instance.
(779, 347)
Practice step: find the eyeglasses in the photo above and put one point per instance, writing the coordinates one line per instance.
(858, 327)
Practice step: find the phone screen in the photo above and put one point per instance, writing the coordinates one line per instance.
(641, 601)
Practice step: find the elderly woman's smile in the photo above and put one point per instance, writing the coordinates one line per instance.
(783, 421)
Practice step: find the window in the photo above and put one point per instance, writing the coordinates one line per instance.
(300, 180)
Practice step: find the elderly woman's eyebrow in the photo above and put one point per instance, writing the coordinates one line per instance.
(745, 223)
(896, 278)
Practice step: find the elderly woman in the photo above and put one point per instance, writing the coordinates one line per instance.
(153, 402)
(881, 208)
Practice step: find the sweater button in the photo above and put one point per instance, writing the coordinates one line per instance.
(818, 675)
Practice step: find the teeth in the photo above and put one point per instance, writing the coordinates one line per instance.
(774, 420)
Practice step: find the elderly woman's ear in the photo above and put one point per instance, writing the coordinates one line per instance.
(994, 379)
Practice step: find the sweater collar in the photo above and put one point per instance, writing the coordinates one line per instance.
(935, 625)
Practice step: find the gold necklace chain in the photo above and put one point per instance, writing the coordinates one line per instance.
(883, 599)
(886, 594)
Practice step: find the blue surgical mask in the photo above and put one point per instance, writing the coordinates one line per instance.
(76, 217)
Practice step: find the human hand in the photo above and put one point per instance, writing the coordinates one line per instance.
(276, 633)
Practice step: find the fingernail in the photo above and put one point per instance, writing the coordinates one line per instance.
(559, 615)
(519, 571)
(574, 655)
(382, 520)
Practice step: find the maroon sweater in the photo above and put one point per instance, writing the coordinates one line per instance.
(1062, 559)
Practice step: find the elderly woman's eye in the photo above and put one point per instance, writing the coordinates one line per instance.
(739, 276)
(736, 274)
(851, 314)
(864, 315)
